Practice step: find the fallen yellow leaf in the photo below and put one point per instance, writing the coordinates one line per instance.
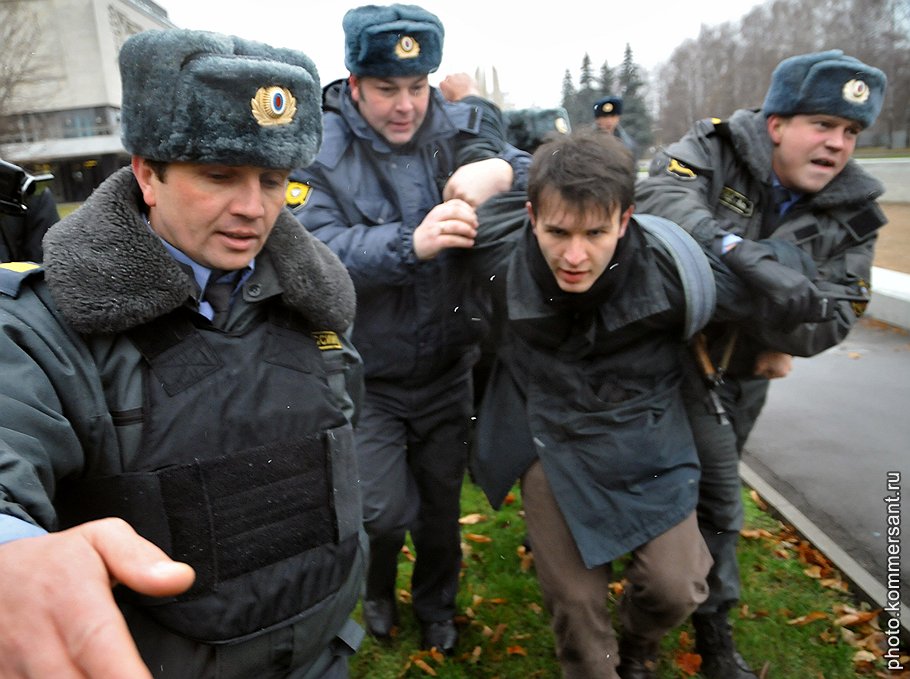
(813, 572)
(688, 663)
(526, 558)
(810, 617)
(755, 533)
(475, 655)
(858, 618)
(423, 666)
(500, 630)
(834, 583)
(756, 498)
(863, 656)
(476, 537)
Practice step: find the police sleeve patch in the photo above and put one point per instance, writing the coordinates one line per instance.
(736, 201)
(680, 170)
(297, 194)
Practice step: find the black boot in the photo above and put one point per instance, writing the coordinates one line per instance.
(637, 658)
(441, 635)
(380, 616)
(714, 643)
(380, 611)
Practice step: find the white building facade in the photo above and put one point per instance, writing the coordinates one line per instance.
(65, 117)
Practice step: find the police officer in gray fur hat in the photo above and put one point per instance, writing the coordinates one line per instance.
(778, 178)
(179, 424)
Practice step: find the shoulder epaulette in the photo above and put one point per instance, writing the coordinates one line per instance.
(721, 127)
(711, 125)
(465, 115)
(14, 274)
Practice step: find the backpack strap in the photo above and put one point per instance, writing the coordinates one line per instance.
(693, 267)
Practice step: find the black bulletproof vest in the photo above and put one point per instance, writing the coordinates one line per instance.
(246, 473)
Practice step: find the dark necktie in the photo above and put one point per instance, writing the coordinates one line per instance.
(218, 294)
(773, 215)
(781, 197)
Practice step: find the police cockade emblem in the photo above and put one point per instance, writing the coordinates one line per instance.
(407, 48)
(608, 107)
(856, 92)
(273, 106)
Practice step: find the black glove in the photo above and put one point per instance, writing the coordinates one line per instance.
(784, 296)
(791, 256)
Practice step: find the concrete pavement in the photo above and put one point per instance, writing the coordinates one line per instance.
(831, 437)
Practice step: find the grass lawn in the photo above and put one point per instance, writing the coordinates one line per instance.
(797, 619)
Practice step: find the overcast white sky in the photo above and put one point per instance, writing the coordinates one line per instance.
(531, 44)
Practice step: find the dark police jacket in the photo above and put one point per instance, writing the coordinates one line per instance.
(230, 449)
(590, 386)
(364, 199)
(717, 179)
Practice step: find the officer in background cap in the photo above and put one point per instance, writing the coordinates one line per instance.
(384, 194)
(181, 363)
(607, 115)
(777, 178)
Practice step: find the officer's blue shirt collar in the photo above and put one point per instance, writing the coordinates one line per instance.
(203, 273)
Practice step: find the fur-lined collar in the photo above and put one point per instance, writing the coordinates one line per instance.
(108, 272)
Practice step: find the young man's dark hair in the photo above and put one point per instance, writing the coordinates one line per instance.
(585, 175)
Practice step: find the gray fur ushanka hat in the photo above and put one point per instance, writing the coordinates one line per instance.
(828, 82)
(205, 97)
(392, 40)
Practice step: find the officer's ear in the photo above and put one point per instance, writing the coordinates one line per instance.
(146, 178)
(776, 124)
(354, 84)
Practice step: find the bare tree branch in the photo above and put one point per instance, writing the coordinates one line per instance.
(19, 36)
